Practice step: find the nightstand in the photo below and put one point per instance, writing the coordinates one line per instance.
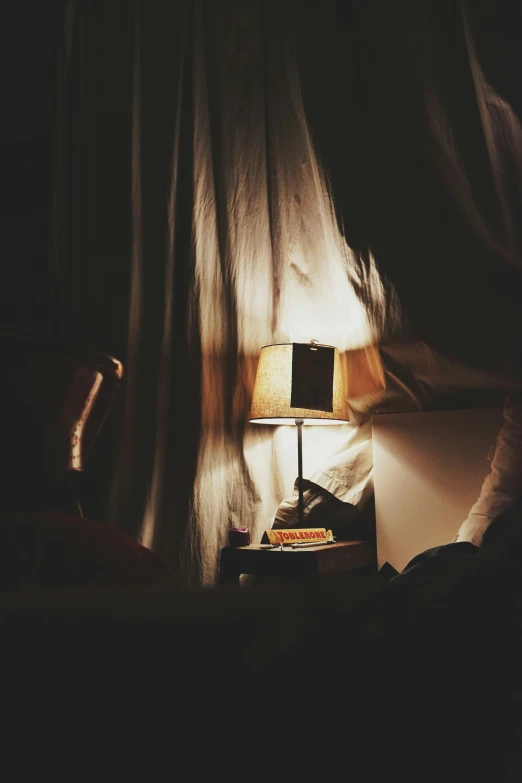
(340, 559)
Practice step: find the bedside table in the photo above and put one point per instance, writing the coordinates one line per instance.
(290, 565)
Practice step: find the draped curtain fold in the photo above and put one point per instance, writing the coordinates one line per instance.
(194, 226)
(423, 147)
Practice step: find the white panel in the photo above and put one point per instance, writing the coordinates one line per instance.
(428, 471)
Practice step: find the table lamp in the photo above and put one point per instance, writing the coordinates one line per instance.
(299, 383)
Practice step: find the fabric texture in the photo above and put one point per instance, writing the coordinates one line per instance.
(349, 475)
(418, 128)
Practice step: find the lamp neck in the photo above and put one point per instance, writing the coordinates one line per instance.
(299, 423)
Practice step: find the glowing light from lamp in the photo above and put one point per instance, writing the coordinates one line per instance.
(280, 381)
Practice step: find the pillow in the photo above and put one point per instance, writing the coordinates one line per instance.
(48, 550)
(323, 509)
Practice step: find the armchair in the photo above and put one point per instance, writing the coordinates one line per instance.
(54, 401)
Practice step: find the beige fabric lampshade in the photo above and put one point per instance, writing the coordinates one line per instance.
(273, 391)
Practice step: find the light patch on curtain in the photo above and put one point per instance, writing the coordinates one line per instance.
(229, 243)
(320, 302)
(271, 266)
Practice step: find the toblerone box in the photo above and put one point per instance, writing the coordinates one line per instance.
(311, 535)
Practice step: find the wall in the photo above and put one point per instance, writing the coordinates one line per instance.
(428, 472)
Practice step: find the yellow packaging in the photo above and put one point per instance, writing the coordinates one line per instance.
(318, 535)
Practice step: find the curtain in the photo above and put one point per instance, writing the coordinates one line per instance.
(194, 226)
(414, 107)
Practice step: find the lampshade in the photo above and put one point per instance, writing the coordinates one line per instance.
(279, 377)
